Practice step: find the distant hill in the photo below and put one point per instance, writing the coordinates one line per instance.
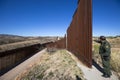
(6, 38)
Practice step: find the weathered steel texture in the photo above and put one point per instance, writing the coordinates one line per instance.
(12, 58)
(79, 33)
(61, 44)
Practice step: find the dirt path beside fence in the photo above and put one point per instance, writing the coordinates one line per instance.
(11, 75)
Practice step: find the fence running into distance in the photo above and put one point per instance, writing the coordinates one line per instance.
(78, 39)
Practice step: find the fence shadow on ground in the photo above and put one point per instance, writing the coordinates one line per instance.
(97, 66)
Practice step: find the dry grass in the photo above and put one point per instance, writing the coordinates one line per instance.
(115, 53)
(115, 57)
(55, 66)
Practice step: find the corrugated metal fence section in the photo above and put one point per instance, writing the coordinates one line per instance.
(58, 44)
(79, 33)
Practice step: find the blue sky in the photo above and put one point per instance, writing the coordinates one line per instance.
(106, 17)
(52, 17)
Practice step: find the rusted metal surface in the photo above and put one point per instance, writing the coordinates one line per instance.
(61, 44)
(12, 58)
(79, 33)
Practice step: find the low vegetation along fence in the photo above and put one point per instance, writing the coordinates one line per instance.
(78, 39)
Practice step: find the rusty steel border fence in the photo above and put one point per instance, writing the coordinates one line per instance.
(78, 39)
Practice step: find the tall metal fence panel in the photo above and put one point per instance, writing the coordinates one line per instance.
(79, 33)
(78, 39)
